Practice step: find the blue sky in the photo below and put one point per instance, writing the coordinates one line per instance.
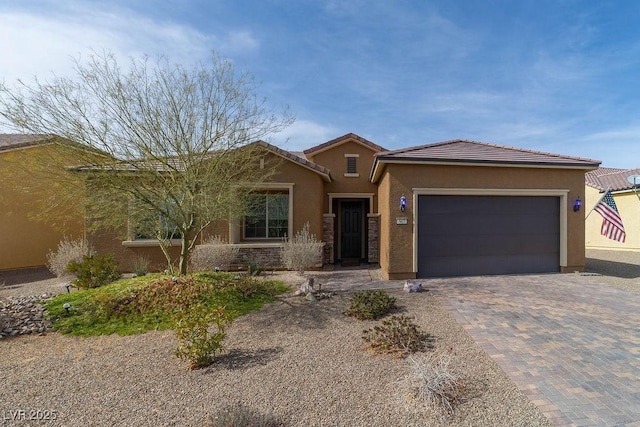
(559, 76)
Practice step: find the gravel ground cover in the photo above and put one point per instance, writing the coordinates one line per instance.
(302, 362)
(299, 361)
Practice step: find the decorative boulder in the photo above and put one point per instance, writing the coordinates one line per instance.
(306, 287)
(411, 287)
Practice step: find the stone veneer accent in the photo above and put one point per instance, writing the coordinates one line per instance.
(373, 254)
(268, 256)
(328, 220)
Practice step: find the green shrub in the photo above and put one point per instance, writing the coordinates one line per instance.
(198, 345)
(94, 271)
(254, 268)
(238, 415)
(370, 304)
(398, 335)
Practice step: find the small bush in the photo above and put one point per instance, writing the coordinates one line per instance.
(370, 304)
(254, 268)
(239, 415)
(94, 271)
(141, 265)
(197, 344)
(398, 335)
(302, 251)
(214, 253)
(66, 252)
(436, 382)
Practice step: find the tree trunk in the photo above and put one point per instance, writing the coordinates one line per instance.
(184, 254)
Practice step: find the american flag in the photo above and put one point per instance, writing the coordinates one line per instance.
(611, 223)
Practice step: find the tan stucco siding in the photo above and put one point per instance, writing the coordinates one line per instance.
(398, 179)
(628, 206)
(25, 240)
(307, 192)
(335, 160)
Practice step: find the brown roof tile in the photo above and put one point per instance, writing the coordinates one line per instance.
(10, 141)
(612, 179)
(342, 139)
(465, 151)
(295, 157)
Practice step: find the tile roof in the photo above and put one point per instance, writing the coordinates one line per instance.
(465, 151)
(342, 139)
(613, 179)
(173, 163)
(11, 141)
(297, 158)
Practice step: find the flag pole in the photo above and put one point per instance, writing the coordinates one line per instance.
(599, 200)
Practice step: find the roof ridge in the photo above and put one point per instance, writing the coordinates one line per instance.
(486, 144)
(344, 137)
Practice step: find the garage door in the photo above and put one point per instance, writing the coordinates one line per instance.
(480, 235)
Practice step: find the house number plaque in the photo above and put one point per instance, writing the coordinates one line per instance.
(402, 221)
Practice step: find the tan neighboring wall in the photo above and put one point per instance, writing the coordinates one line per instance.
(628, 206)
(403, 178)
(26, 241)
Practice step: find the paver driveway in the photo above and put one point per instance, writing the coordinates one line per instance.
(571, 345)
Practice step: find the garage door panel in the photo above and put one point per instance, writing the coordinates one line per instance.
(488, 265)
(470, 235)
(536, 244)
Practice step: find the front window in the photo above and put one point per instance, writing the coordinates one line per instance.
(268, 216)
(153, 225)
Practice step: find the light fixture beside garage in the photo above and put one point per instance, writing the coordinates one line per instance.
(577, 204)
(403, 203)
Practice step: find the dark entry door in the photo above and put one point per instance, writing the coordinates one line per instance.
(351, 229)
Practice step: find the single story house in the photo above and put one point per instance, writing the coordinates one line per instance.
(627, 200)
(451, 208)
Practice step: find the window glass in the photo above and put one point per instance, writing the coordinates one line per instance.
(268, 216)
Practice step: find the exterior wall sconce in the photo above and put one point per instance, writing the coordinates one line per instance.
(403, 203)
(577, 204)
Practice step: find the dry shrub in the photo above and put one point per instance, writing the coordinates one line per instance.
(238, 415)
(214, 253)
(436, 382)
(67, 251)
(302, 251)
(397, 335)
(371, 304)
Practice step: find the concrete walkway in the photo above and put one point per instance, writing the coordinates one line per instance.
(571, 345)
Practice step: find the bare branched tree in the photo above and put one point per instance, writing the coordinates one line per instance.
(179, 139)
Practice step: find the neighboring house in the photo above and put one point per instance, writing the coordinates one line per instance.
(470, 208)
(627, 201)
(24, 240)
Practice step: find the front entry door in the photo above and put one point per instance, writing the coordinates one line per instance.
(351, 229)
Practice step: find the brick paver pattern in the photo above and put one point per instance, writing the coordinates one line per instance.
(571, 345)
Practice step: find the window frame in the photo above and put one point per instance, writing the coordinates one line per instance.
(288, 213)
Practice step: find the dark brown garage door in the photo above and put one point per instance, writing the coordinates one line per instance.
(481, 235)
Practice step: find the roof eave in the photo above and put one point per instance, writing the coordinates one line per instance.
(376, 169)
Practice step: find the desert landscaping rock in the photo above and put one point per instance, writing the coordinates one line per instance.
(24, 315)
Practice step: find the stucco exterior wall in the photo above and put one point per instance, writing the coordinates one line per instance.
(25, 241)
(398, 179)
(628, 206)
(334, 159)
(307, 190)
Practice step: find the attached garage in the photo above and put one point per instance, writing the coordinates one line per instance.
(479, 209)
(483, 235)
